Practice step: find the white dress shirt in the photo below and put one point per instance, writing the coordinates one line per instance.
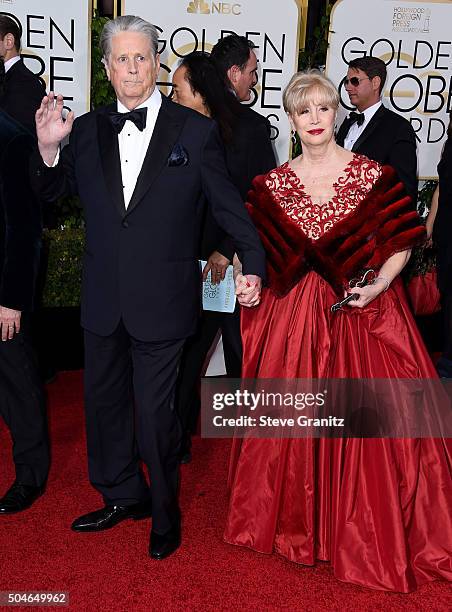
(133, 144)
(10, 63)
(356, 130)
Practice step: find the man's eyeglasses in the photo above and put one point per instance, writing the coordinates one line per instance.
(355, 81)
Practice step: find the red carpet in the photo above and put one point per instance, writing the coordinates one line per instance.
(111, 570)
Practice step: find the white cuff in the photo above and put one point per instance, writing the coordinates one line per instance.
(57, 159)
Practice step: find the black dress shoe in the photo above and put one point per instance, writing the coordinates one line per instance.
(108, 517)
(162, 546)
(19, 497)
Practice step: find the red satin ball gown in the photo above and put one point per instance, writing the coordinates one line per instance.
(379, 510)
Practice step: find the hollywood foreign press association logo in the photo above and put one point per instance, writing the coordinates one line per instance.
(411, 19)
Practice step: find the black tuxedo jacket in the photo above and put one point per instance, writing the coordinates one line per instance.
(22, 96)
(390, 140)
(249, 154)
(141, 263)
(20, 219)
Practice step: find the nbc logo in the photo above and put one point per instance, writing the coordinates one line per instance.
(198, 6)
(206, 8)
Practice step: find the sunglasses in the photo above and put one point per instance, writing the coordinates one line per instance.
(355, 81)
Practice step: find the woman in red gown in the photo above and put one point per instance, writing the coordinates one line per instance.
(378, 509)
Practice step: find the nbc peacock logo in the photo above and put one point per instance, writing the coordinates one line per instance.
(198, 6)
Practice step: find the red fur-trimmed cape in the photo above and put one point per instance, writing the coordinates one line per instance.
(384, 223)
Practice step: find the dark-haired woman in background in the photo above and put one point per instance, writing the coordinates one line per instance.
(248, 153)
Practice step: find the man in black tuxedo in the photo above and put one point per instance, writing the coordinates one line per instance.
(22, 403)
(140, 168)
(22, 91)
(248, 154)
(374, 130)
(251, 152)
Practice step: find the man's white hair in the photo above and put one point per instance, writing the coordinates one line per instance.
(127, 23)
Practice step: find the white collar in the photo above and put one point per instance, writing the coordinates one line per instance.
(153, 103)
(11, 62)
(370, 112)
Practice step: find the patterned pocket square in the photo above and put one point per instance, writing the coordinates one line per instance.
(178, 156)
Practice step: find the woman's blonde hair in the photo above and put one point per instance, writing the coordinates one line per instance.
(306, 87)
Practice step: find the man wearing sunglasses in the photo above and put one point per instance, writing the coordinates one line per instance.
(374, 130)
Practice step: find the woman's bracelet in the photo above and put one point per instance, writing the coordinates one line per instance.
(385, 280)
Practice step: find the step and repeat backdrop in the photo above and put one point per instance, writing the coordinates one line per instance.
(196, 25)
(414, 39)
(56, 39)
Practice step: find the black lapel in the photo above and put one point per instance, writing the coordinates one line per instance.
(109, 155)
(343, 131)
(166, 131)
(370, 128)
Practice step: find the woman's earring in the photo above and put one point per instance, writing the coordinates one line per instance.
(293, 137)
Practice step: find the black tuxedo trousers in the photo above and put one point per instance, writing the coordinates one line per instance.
(130, 417)
(22, 406)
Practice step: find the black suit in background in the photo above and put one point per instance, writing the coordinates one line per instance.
(22, 95)
(22, 402)
(388, 139)
(442, 231)
(141, 289)
(251, 149)
(249, 154)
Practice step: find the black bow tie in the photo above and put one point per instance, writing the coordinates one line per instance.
(356, 118)
(138, 116)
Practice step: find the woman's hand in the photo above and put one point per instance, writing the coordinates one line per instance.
(430, 221)
(248, 289)
(217, 264)
(236, 267)
(387, 273)
(429, 229)
(367, 294)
